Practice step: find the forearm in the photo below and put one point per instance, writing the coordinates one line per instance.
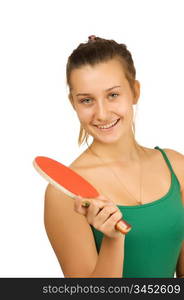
(111, 258)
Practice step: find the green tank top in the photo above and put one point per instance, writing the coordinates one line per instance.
(153, 245)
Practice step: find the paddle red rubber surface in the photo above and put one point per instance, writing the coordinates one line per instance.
(66, 177)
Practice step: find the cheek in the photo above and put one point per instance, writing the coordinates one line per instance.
(84, 115)
(122, 108)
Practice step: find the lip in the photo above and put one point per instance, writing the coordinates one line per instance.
(107, 129)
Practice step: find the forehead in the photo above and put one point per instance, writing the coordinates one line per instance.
(101, 75)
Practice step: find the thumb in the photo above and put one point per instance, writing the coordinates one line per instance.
(105, 198)
(101, 197)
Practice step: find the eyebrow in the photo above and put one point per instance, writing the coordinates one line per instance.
(87, 94)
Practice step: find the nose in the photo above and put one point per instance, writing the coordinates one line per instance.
(102, 111)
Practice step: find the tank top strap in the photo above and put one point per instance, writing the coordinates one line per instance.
(166, 159)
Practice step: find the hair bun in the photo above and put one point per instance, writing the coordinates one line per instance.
(91, 38)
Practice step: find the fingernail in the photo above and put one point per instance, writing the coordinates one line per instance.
(85, 203)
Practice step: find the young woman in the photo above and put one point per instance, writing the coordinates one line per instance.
(145, 186)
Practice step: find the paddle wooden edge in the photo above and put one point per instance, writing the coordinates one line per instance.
(53, 182)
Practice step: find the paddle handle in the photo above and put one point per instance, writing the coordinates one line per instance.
(123, 226)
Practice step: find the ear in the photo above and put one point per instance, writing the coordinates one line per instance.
(136, 91)
(71, 100)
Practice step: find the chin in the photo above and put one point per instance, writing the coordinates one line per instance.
(108, 139)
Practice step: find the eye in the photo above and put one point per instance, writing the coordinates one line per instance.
(114, 94)
(85, 100)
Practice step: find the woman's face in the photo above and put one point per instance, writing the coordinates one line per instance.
(103, 99)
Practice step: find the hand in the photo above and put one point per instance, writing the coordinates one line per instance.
(101, 213)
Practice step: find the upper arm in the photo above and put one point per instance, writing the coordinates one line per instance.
(70, 235)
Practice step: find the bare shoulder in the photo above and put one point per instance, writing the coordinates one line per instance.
(178, 156)
(177, 161)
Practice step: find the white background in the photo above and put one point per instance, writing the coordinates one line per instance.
(36, 117)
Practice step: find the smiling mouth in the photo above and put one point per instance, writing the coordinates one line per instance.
(110, 125)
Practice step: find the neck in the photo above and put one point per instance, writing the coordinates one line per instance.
(126, 150)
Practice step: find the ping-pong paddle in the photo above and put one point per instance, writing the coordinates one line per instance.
(70, 183)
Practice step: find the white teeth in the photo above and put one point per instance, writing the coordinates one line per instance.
(107, 126)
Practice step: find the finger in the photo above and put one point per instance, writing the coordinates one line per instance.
(105, 213)
(97, 214)
(79, 201)
(113, 219)
(90, 207)
(85, 202)
(78, 207)
(105, 198)
(101, 197)
(81, 204)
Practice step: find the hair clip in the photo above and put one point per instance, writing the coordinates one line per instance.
(92, 38)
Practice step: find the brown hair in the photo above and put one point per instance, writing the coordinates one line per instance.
(97, 50)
